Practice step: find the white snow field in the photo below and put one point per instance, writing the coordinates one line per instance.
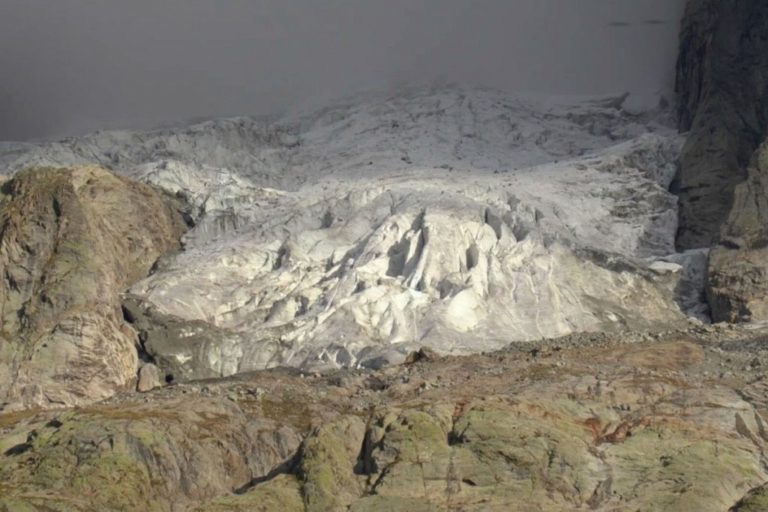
(459, 219)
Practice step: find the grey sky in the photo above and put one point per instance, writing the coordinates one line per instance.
(70, 66)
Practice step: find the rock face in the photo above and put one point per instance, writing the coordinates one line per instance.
(70, 241)
(737, 281)
(723, 101)
(600, 422)
(144, 457)
(450, 218)
(723, 90)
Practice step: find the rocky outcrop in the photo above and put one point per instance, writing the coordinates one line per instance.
(737, 281)
(182, 349)
(142, 457)
(723, 87)
(755, 501)
(723, 100)
(71, 240)
(664, 421)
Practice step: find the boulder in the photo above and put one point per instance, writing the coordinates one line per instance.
(150, 378)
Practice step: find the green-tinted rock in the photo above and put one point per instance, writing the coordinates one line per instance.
(143, 457)
(666, 469)
(283, 493)
(755, 501)
(393, 504)
(329, 457)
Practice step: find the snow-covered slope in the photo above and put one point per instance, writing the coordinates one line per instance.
(459, 219)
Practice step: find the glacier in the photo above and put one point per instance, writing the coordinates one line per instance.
(460, 219)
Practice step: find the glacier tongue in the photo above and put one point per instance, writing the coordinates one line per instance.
(457, 219)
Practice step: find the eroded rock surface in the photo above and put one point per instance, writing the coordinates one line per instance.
(71, 239)
(643, 421)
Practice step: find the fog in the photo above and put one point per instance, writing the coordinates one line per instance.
(72, 66)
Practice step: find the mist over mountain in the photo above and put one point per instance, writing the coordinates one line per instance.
(76, 66)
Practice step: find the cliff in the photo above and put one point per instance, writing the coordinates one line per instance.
(722, 74)
(70, 241)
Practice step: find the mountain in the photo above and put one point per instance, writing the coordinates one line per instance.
(456, 219)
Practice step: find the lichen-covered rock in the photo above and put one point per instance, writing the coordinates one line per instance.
(604, 423)
(329, 455)
(283, 493)
(142, 457)
(71, 240)
(755, 501)
(723, 101)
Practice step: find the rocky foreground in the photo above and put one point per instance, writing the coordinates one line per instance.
(656, 421)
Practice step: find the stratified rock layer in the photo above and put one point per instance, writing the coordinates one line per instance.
(723, 100)
(70, 241)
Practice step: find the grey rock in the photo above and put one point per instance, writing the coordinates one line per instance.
(723, 101)
(183, 349)
(388, 358)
